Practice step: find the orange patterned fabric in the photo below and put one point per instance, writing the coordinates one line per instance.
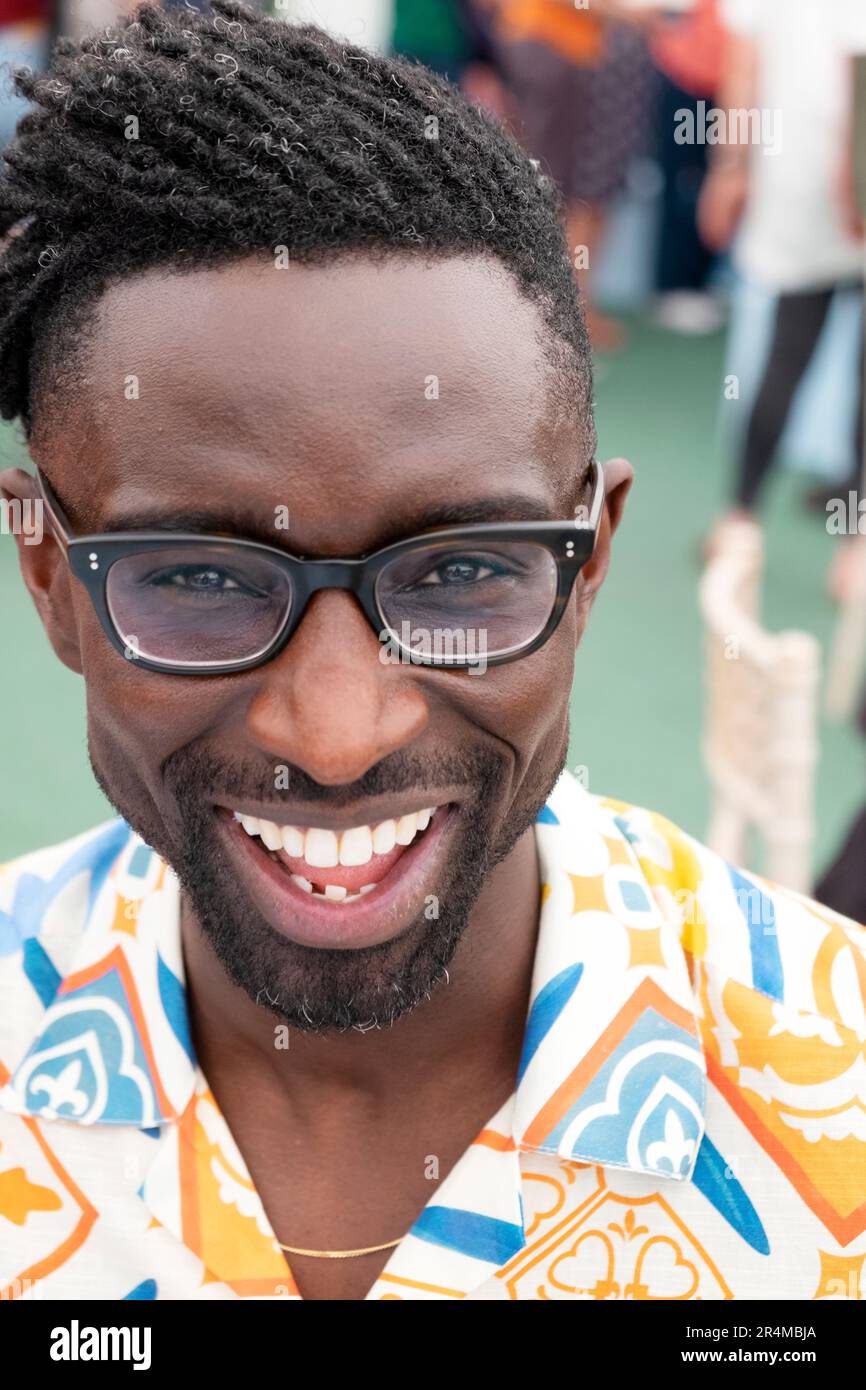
(577, 34)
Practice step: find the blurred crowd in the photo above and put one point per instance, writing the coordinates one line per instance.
(748, 110)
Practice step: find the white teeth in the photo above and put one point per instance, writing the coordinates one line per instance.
(385, 837)
(368, 888)
(407, 829)
(334, 892)
(293, 841)
(324, 849)
(356, 846)
(320, 849)
(270, 834)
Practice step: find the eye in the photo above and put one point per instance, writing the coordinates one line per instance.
(193, 581)
(198, 580)
(462, 569)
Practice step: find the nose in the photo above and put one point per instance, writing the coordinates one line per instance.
(328, 704)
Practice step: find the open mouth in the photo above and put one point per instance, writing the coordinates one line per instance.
(341, 866)
(350, 887)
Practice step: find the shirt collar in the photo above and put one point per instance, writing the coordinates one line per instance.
(612, 1069)
(113, 1045)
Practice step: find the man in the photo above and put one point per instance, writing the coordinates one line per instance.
(363, 997)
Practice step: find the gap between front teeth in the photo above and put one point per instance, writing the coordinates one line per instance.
(334, 892)
(325, 849)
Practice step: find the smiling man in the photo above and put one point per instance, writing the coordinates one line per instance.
(363, 996)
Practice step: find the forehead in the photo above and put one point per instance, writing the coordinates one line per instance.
(342, 391)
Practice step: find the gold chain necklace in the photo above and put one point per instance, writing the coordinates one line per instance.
(340, 1254)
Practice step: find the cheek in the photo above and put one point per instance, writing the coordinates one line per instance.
(524, 704)
(136, 719)
(142, 713)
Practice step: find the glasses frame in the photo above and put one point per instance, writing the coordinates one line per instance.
(90, 557)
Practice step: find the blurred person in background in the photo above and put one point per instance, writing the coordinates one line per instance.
(688, 52)
(786, 206)
(581, 85)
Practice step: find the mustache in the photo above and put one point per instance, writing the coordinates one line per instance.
(197, 775)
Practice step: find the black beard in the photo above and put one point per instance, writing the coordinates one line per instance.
(315, 989)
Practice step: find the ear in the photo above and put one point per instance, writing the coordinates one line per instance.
(618, 478)
(43, 563)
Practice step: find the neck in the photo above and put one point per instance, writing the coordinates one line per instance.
(470, 1029)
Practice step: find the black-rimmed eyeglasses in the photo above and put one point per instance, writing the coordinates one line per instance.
(198, 605)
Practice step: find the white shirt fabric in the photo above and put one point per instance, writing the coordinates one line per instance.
(793, 235)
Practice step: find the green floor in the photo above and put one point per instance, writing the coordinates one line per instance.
(636, 709)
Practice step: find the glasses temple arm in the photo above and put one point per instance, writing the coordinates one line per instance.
(597, 503)
(59, 525)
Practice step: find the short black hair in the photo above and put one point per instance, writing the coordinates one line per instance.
(187, 139)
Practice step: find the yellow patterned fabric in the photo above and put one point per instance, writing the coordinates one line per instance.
(688, 1121)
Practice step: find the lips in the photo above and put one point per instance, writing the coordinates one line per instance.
(339, 905)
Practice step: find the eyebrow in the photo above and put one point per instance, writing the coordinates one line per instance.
(511, 507)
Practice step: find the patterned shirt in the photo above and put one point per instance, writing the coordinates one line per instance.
(688, 1120)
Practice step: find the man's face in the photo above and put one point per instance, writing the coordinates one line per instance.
(240, 393)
